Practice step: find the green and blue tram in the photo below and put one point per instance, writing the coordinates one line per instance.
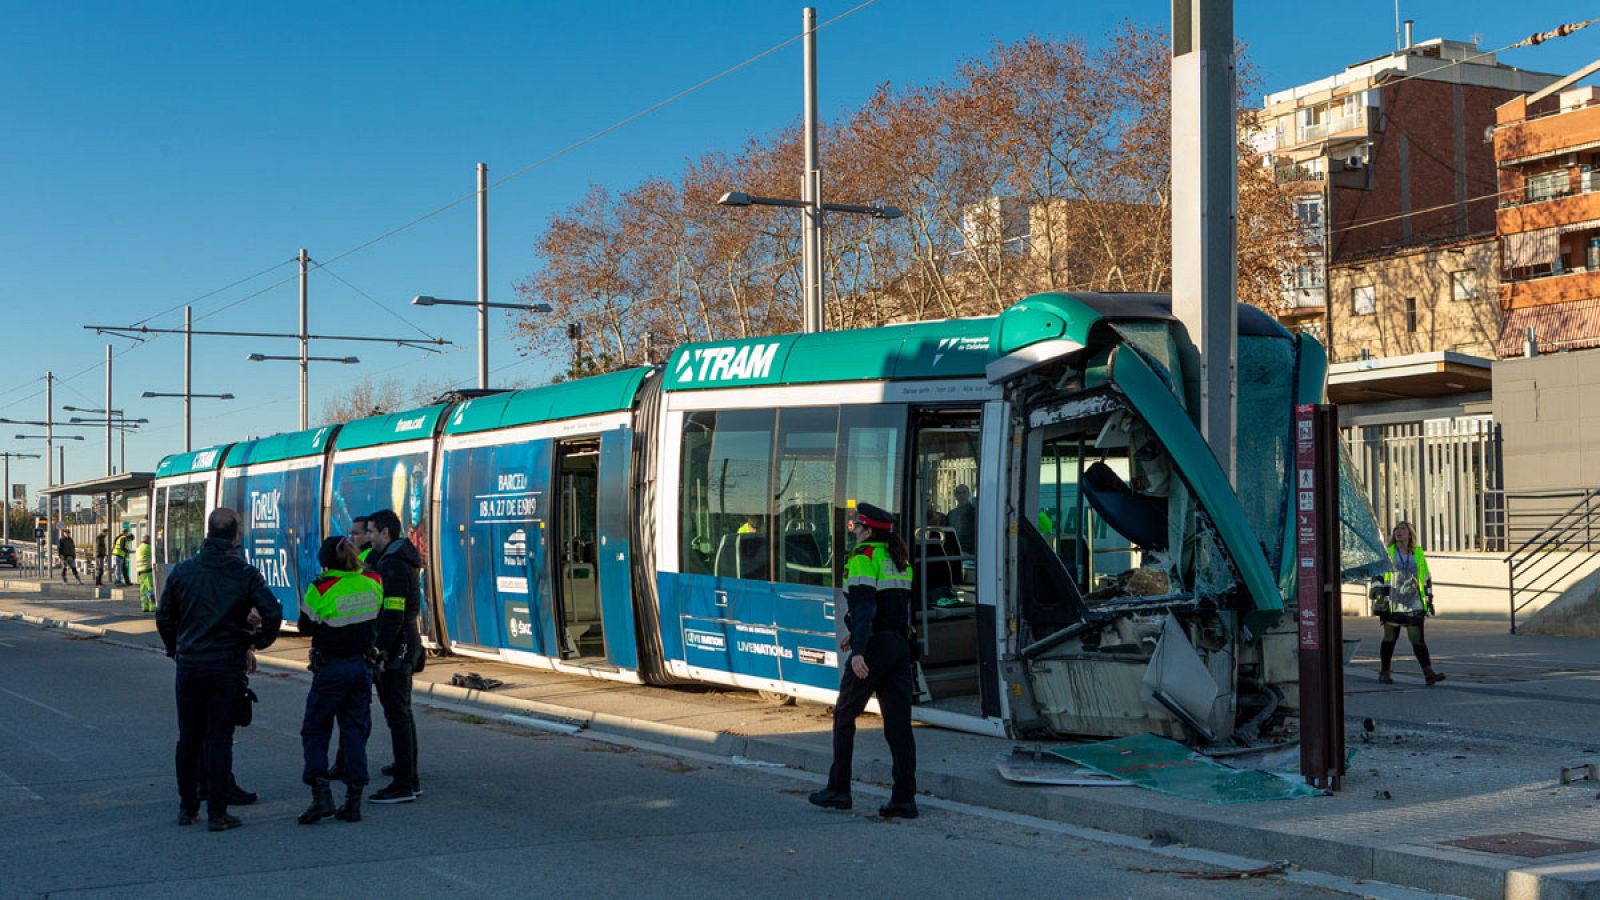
(1082, 563)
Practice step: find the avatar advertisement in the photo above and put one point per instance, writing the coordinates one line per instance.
(280, 527)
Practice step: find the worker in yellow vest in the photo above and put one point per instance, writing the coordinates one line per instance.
(144, 566)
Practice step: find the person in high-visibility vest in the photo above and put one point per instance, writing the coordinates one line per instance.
(340, 613)
(145, 567)
(119, 553)
(879, 661)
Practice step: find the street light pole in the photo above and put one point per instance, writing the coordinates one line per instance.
(305, 345)
(483, 275)
(811, 182)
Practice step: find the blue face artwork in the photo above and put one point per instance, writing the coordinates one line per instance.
(398, 482)
(280, 527)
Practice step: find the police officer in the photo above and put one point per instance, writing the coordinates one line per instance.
(878, 592)
(340, 613)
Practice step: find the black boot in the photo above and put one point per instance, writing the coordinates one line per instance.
(351, 810)
(321, 803)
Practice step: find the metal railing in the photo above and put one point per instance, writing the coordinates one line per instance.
(1562, 531)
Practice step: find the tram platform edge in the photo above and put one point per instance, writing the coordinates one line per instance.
(1355, 834)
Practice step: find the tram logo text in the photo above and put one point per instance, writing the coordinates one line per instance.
(703, 364)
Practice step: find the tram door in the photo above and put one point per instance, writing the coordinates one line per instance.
(946, 448)
(577, 515)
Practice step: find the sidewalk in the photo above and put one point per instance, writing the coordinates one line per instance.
(1476, 756)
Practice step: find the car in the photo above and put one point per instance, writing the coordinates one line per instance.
(8, 556)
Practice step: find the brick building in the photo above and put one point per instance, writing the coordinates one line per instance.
(1389, 154)
(1547, 147)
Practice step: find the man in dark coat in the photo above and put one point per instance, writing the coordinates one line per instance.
(396, 561)
(203, 617)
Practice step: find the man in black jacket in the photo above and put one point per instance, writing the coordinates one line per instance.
(69, 556)
(101, 541)
(204, 620)
(398, 563)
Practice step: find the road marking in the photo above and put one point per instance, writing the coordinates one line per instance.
(451, 876)
(4, 644)
(58, 712)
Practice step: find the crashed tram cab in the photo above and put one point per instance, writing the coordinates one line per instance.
(1143, 593)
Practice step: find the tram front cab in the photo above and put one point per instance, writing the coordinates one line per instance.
(1135, 583)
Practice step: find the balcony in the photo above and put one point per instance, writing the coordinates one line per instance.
(1566, 209)
(1546, 135)
(1565, 288)
(1332, 127)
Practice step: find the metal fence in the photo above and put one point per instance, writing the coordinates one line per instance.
(1442, 475)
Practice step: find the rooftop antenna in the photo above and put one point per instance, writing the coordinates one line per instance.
(1397, 44)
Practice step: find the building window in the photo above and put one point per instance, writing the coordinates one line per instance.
(1411, 315)
(1464, 285)
(1548, 185)
(1363, 300)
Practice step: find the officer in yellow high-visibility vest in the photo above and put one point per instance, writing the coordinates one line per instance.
(340, 613)
(144, 566)
(878, 591)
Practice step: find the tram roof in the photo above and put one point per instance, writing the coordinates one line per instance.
(390, 429)
(564, 400)
(203, 460)
(950, 348)
(294, 445)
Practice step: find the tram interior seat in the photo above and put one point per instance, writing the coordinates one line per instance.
(742, 556)
(802, 559)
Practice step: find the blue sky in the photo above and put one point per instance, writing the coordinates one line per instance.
(155, 152)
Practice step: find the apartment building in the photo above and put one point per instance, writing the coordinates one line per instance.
(1547, 150)
(1387, 155)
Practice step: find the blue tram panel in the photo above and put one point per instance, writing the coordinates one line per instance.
(494, 527)
(615, 558)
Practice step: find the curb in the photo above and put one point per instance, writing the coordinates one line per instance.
(1439, 869)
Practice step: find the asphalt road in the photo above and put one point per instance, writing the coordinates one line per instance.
(87, 804)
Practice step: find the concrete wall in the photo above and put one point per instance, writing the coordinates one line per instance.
(1473, 585)
(1548, 408)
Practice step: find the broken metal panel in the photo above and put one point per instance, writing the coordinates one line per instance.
(1098, 694)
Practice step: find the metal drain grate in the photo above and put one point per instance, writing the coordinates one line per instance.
(1522, 843)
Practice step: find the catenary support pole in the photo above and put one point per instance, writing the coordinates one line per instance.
(49, 461)
(811, 185)
(188, 380)
(108, 410)
(305, 345)
(1204, 208)
(483, 275)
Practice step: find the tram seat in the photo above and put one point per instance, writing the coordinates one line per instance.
(933, 565)
(802, 559)
(742, 556)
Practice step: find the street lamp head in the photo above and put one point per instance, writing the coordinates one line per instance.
(349, 360)
(734, 198)
(148, 394)
(541, 308)
(889, 211)
(257, 357)
(224, 396)
(422, 301)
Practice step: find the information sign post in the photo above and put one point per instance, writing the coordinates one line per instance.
(1321, 634)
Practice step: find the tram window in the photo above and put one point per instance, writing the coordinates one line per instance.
(872, 442)
(727, 473)
(158, 540)
(805, 483)
(186, 527)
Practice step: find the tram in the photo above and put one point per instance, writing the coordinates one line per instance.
(1082, 564)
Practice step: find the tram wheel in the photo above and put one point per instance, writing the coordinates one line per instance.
(776, 698)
